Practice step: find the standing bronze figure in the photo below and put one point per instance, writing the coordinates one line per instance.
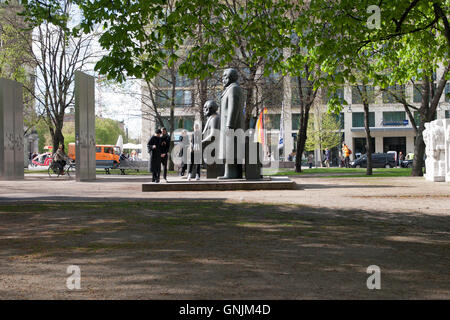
(231, 119)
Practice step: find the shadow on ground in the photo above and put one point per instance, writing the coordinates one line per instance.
(219, 250)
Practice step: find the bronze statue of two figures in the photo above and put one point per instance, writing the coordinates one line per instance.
(228, 150)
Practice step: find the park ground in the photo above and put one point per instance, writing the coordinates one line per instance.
(314, 242)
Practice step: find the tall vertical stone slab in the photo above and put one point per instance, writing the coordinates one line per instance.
(84, 126)
(11, 130)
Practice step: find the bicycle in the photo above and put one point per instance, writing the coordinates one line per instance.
(54, 169)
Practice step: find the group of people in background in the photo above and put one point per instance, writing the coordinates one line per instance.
(133, 156)
(327, 157)
(158, 148)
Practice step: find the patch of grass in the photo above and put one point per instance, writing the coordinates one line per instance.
(35, 171)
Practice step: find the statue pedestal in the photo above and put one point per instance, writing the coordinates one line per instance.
(267, 183)
(433, 178)
(252, 160)
(214, 170)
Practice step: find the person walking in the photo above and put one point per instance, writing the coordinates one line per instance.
(310, 160)
(401, 158)
(327, 157)
(165, 146)
(184, 144)
(346, 153)
(154, 149)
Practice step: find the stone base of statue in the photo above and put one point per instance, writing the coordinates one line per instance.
(214, 170)
(433, 178)
(178, 184)
(253, 166)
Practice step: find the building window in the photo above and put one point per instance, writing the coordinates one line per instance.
(183, 81)
(339, 94)
(417, 117)
(398, 90)
(340, 118)
(183, 98)
(163, 79)
(295, 121)
(357, 98)
(187, 98)
(162, 98)
(394, 144)
(272, 121)
(186, 122)
(360, 145)
(358, 119)
(179, 101)
(295, 97)
(418, 89)
(394, 118)
(417, 97)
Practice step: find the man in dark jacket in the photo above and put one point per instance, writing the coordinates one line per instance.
(154, 150)
(165, 146)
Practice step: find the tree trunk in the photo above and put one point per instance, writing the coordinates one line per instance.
(368, 139)
(425, 115)
(203, 95)
(57, 138)
(419, 151)
(430, 101)
(301, 139)
(250, 104)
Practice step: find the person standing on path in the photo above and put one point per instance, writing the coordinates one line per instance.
(154, 149)
(165, 146)
(310, 160)
(401, 158)
(183, 153)
(327, 157)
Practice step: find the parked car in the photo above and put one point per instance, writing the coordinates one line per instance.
(408, 162)
(379, 160)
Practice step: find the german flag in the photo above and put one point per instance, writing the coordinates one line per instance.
(260, 124)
